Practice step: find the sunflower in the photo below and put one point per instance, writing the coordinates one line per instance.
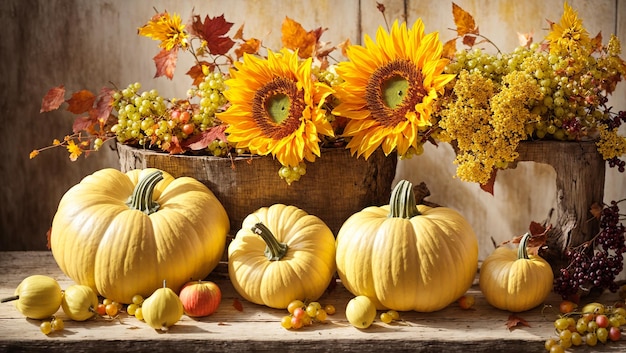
(276, 107)
(389, 89)
(569, 34)
(168, 29)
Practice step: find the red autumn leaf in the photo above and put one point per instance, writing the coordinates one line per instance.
(53, 99)
(237, 305)
(488, 186)
(464, 21)
(174, 147)
(202, 140)
(83, 123)
(81, 101)
(165, 62)
(104, 105)
(195, 72)
(538, 238)
(213, 31)
(515, 321)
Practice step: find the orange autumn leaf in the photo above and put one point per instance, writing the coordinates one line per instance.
(104, 105)
(596, 210)
(464, 21)
(515, 321)
(449, 49)
(295, 37)
(165, 62)
(53, 99)
(596, 42)
(489, 185)
(202, 140)
(196, 72)
(250, 46)
(81, 102)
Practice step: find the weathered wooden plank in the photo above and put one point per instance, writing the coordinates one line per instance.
(257, 328)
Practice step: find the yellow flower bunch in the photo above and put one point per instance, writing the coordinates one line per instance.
(554, 90)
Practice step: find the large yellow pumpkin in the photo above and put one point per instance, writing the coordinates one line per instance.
(123, 234)
(281, 254)
(407, 257)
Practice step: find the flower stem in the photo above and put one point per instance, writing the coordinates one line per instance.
(274, 250)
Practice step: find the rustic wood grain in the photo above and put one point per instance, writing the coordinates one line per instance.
(257, 328)
(336, 186)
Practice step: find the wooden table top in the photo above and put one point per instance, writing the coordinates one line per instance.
(257, 328)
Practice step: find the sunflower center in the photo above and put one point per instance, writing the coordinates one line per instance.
(277, 107)
(393, 90)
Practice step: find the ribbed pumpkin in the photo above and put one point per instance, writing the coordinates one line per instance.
(282, 253)
(123, 234)
(405, 256)
(513, 280)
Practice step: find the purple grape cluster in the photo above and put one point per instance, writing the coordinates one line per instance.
(596, 263)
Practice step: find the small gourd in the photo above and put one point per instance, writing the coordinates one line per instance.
(360, 311)
(515, 281)
(37, 297)
(162, 309)
(79, 302)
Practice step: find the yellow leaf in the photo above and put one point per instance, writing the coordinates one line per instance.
(464, 21)
(295, 37)
(449, 49)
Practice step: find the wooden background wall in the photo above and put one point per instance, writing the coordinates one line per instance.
(87, 43)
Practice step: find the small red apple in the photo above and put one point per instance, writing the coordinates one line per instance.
(200, 298)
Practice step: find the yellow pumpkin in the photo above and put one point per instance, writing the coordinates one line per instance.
(37, 297)
(162, 309)
(282, 253)
(172, 228)
(515, 281)
(407, 257)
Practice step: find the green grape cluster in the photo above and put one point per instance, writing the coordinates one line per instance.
(210, 91)
(291, 174)
(140, 116)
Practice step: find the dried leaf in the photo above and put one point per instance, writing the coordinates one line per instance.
(525, 39)
(239, 33)
(488, 186)
(196, 73)
(464, 21)
(596, 42)
(202, 140)
(538, 238)
(237, 305)
(295, 37)
(174, 146)
(449, 49)
(83, 123)
(165, 62)
(515, 321)
(343, 46)
(380, 7)
(596, 210)
(250, 46)
(53, 99)
(81, 102)
(104, 105)
(213, 30)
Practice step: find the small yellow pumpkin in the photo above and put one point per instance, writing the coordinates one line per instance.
(123, 233)
(282, 253)
(79, 302)
(360, 311)
(405, 256)
(162, 309)
(515, 281)
(37, 297)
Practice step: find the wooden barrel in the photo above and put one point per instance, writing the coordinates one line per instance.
(334, 187)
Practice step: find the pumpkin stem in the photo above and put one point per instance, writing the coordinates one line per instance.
(141, 199)
(402, 203)
(274, 250)
(522, 252)
(9, 299)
